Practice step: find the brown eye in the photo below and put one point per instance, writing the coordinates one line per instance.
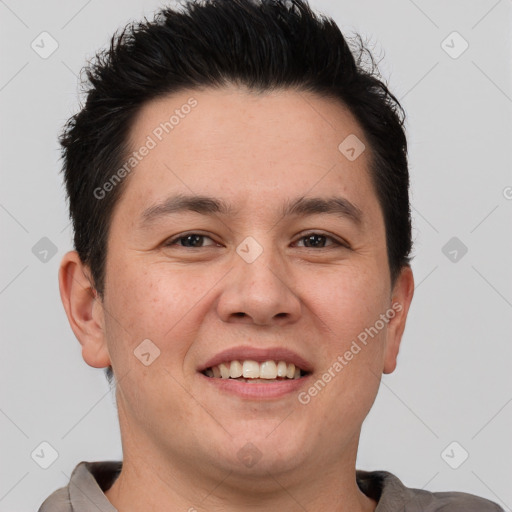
(318, 241)
(191, 240)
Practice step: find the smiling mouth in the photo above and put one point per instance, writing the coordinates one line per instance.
(252, 371)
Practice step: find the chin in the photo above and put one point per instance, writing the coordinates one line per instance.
(262, 446)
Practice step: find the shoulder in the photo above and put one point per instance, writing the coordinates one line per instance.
(461, 502)
(391, 495)
(58, 501)
(85, 487)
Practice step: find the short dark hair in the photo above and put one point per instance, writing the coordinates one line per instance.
(260, 44)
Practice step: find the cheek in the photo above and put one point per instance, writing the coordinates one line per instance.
(145, 297)
(156, 303)
(348, 381)
(347, 300)
(348, 304)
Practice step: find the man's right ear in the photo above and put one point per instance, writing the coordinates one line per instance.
(84, 309)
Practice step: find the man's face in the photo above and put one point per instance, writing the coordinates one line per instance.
(250, 278)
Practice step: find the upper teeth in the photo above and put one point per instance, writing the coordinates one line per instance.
(253, 370)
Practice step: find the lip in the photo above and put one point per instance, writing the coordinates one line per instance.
(244, 353)
(258, 391)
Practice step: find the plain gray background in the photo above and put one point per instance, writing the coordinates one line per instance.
(453, 381)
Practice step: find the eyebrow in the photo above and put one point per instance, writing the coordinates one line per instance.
(204, 205)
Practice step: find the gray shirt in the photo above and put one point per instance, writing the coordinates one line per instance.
(84, 493)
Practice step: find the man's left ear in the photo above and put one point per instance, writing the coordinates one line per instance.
(403, 292)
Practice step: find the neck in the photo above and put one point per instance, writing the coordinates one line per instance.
(154, 479)
(142, 485)
(139, 488)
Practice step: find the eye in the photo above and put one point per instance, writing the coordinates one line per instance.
(317, 240)
(312, 240)
(192, 240)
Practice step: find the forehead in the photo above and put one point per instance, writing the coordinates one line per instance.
(246, 146)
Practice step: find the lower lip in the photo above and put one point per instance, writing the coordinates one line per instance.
(276, 389)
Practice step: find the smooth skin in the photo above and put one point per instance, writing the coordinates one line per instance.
(194, 297)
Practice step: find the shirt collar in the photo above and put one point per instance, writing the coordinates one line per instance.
(88, 482)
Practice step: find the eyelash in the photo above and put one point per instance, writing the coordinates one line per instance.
(338, 243)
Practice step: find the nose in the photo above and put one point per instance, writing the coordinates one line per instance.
(260, 293)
